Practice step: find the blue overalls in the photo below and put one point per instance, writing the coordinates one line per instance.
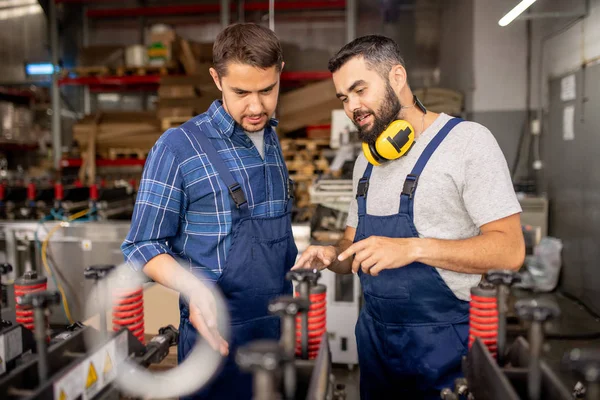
(262, 251)
(412, 330)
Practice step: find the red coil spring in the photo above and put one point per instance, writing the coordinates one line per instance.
(317, 322)
(128, 311)
(483, 318)
(28, 283)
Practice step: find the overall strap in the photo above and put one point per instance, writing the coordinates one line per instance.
(236, 192)
(290, 183)
(362, 189)
(412, 179)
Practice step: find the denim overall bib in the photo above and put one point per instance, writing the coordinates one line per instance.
(262, 251)
(412, 331)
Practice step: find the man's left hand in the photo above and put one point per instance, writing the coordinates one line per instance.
(376, 253)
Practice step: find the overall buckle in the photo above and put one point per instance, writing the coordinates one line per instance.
(290, 189)
(237, 194)
(363, 187)
(410, 185)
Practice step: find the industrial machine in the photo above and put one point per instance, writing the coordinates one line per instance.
(84, 362)
(493, 369)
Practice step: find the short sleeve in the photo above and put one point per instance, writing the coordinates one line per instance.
(488, 192)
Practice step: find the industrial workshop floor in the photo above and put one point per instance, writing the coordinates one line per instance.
(348, 377)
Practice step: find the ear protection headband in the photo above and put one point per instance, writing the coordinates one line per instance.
(394, 142)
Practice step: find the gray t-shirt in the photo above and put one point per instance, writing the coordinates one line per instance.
(465, 184)
(258, 138)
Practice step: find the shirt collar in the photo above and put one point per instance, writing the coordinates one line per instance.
(225, 123)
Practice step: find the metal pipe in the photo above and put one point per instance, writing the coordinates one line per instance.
(55, 93)
(264, 388)
(85, 27)
(304, 293)
(503, 293)
(534, 375)
(224, 13)
(350, 20)
(40, 343)
(272, 15)
(288, 338)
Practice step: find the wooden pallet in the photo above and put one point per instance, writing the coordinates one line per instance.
(309, 145)
(173, 122)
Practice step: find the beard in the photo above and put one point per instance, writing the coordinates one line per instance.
(388, 112)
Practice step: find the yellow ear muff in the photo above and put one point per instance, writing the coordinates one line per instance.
(393, 143)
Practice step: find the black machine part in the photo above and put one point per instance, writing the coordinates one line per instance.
(5, 268)
(158, 347)
(503, 280)
(263, 358)
(97, 272)
(305, 278)
(586, 364)
(537, 311)
(18, 341)
(41, 302)
(288, 307)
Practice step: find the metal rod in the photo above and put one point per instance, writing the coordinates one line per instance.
(534, 376)
(40, 342)
(288, 337)
(304, 293)
(272, 15)
(224, 13)
(55, 96)
(350, 20)
(87, 104)
(264, 388)
(502, 299)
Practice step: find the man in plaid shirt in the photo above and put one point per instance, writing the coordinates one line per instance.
(214, 202)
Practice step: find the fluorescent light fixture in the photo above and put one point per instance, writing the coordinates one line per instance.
(515, 12)
(39, 69)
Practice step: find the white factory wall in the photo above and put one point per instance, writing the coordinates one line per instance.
(567, 51)
(456, 49)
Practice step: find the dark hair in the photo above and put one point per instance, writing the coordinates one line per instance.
(246, 43)
(380, 53)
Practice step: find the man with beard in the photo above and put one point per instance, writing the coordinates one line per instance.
(423, 229)
(214, 203)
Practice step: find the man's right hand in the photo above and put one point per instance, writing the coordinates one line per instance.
(203, 316)
(319, 257)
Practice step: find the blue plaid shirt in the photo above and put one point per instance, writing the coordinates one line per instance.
(183, 208)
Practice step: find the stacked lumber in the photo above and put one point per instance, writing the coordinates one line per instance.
(182, 97)
(305, 161)
(114, 134)
(309, 105)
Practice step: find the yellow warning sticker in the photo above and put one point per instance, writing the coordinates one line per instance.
(92, 377)
(62, 396)
(107, 364)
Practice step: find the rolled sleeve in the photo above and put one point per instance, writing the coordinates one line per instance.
(159, 205)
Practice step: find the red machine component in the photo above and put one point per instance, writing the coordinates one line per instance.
(317, 322)
(94, 192)
(31, 191)
(483, 318)
(128, 311)
(58, 191)
(28, 283)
